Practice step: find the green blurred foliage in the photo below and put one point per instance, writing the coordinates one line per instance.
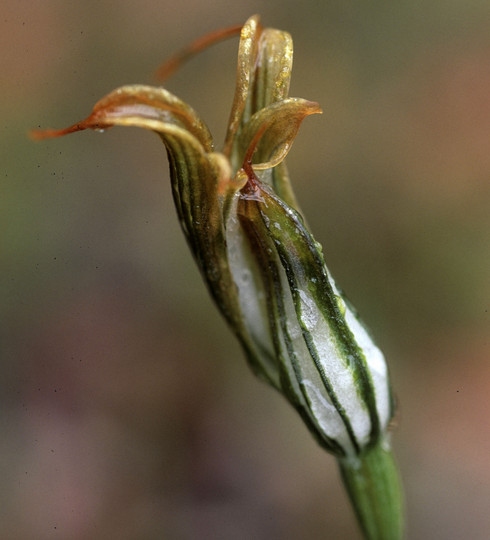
(127, 408)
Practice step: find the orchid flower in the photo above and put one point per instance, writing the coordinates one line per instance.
(264, 269)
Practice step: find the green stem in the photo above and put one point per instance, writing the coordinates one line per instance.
(374, 489)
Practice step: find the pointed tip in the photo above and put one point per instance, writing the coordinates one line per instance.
(312, 107)
(41, 134)
(92, 122)
(168, 68)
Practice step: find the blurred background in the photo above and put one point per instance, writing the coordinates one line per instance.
(127, 409)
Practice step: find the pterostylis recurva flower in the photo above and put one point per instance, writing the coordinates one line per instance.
(262, 265)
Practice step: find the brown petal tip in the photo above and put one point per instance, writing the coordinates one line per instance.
(41, 134)
(172, 64)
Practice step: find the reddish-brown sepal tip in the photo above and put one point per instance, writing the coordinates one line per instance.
(89, 123)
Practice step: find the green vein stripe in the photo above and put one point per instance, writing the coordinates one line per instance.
(266, 255)
(288, 265)
(309, 264)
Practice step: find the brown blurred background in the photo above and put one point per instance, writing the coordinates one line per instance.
(127, 409)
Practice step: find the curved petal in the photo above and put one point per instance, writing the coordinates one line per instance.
(271, 131)
(143, 102)
(196, 175)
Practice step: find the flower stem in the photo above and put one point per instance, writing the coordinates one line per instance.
(374, 488)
